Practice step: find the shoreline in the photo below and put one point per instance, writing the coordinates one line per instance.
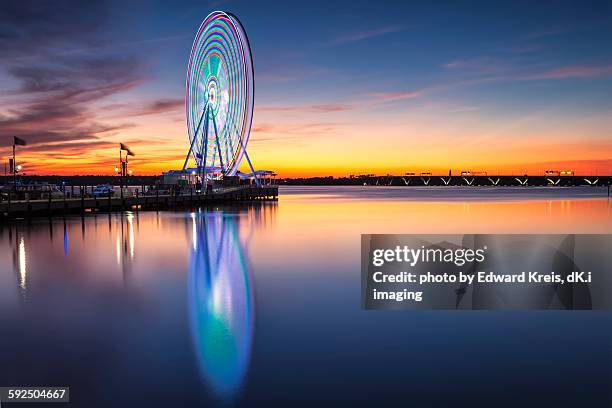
(451, 194)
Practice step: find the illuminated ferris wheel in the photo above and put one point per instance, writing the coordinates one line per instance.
(219, 96)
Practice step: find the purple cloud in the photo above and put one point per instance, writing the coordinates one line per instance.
(365, 35)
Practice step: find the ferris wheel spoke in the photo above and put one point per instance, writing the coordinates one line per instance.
(204, 145)
(204, 133)
(227, 150)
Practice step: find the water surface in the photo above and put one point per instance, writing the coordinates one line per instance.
(260, 306)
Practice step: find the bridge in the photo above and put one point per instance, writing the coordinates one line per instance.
(464, 180)
(482, 180)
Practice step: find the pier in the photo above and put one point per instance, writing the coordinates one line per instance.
(11, 209)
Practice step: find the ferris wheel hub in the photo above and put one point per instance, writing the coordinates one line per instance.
(212, 89)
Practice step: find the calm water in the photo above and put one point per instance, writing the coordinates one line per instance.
(260, 306)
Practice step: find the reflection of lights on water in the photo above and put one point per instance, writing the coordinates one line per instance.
(118, 249)
(22, 264)
(65, 240)
(130, 219)
(221, 299)
(220, 302)
(194, 234)
(125, 240)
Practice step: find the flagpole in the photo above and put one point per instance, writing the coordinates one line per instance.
(14, 168)
(121, 172)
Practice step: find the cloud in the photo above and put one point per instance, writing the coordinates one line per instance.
(70, 147)
(385, 97)
(164, 105)
(368, 100)
(549, 32)
(79, 78)
(289, 72)
(374, 98)
(315, 108)
(523, 48)
(365, 35)
(480, 65)
(262, 128)
(293, 130)
(573, 71)
(150, 108)
(29, 26)
(56, 98)
(486, 69)
(60, 99)
(464, 109)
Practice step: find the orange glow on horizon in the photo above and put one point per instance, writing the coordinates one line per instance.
(295, 146)
(294, 164)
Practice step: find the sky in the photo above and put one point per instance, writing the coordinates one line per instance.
(341, 87)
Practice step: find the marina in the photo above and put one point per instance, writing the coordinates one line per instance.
(50, 206)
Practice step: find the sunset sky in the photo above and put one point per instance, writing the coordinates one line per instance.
(341, 87)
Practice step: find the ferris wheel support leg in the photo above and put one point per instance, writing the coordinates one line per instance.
(257, 181)
(204, 153)
(250, 165)
(188, 154)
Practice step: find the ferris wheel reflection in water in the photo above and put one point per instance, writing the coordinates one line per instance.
(220, 301)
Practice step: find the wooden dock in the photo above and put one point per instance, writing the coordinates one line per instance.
(84, 204)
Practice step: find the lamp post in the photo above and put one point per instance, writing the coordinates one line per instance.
(121, 169)
(16, 169)
(123, 164)
(20, 142)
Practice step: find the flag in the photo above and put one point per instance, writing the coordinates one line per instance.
(127, 149)
(18, 141)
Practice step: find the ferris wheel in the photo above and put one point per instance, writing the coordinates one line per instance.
(219, 96)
